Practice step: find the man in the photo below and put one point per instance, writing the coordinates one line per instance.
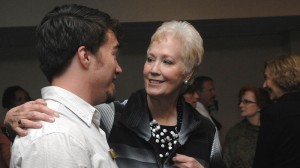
(206, 98)
(191, 96)
(77, 46)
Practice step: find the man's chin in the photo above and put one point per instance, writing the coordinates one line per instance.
(110, 100)
(110, 97)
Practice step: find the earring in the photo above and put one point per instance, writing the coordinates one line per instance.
(186, 82)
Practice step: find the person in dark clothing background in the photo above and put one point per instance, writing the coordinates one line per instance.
(240, 142)
(12, 96)
(278, 140)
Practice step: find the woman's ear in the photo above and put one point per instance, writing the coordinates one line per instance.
(189, 75)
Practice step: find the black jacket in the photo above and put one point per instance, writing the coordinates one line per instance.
(278, 142)
(130, 136)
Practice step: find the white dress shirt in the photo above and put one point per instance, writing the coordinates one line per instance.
(74, 140)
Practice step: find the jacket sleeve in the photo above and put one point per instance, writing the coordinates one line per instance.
(109, 113)
(216, 160)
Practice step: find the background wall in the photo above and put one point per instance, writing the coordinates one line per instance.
(29, 13)
(238, 38)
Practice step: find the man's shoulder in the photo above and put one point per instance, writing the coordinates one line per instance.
(60, 126)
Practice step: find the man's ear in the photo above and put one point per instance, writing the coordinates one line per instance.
(83, 56)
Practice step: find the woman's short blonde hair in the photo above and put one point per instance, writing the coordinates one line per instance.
(285, 72)
(192, 44)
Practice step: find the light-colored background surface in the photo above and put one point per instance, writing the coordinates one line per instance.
(233, 57)
(29, 13)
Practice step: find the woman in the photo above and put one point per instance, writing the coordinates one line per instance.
(157, 119)
(12, 96)
(157, 128)
(240, 142)
(278, 140)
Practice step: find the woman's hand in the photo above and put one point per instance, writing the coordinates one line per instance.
(183, 161)
(26, 116)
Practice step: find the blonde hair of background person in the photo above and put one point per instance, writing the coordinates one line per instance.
(285, 72)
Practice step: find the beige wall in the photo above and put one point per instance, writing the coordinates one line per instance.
(29, 13)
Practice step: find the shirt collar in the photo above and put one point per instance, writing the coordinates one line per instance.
(86, 112)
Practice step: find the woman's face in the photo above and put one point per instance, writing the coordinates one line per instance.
(275, 91)
(20, 98)
(163, 69)
(248, 105)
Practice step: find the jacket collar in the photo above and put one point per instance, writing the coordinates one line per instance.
(290, 96)
(136, 117)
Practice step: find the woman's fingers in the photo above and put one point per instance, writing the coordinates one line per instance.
(183, 161)
(27, 116)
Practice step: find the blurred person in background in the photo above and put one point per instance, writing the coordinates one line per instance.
(191, 96)
(12, 96)
(240, 142)
(278, 140)
(207, 101)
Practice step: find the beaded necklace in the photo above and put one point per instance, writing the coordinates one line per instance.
(166, 137)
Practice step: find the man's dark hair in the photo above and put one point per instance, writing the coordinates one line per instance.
(64, 29)
(199, 81)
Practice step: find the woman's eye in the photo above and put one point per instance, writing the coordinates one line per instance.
(150, 59)
(167, 62)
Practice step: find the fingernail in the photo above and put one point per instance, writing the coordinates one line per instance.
(51, 119)
(56, 114)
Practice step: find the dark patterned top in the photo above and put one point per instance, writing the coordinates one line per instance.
(240, 145)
